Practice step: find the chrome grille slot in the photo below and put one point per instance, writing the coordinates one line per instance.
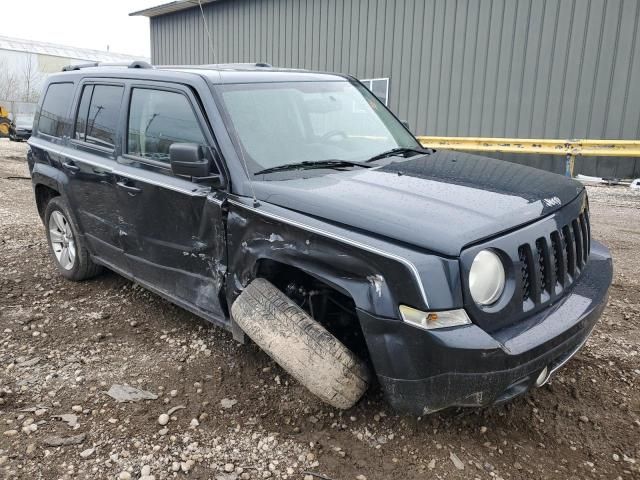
(569, 246)
(577, 238)
(585, 237)
(588, 224)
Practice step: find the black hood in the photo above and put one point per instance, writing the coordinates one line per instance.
(440, 202)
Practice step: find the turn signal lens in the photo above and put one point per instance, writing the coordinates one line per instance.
(433, 320)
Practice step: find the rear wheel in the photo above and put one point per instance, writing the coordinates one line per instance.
(65, 244)
(4, 127)
(300, 345)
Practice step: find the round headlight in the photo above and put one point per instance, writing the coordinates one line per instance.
(486, 278)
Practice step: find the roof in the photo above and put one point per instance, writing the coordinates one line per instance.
(55, 50)
(216, 73)
(239, 73)
(170, 7)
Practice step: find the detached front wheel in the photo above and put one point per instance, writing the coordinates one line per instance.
(300, 345)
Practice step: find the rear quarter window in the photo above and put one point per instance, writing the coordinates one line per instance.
(53, 114)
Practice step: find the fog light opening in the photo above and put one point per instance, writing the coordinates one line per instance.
(542, 378)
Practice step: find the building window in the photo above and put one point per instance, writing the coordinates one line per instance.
(379, 87)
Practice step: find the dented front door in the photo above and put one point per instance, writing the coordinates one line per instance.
(175, 239)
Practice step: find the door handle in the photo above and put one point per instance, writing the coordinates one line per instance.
(72, 167)
(131, 190)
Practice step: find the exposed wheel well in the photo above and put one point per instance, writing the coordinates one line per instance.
(332, 308)
(43, 195)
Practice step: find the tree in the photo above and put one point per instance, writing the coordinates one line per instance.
(30, 79)
(9, 83)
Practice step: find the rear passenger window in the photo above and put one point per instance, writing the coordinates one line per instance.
(53, 114)
(98, 112)
(157, 119)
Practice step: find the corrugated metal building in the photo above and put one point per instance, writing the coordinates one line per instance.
(495, 68)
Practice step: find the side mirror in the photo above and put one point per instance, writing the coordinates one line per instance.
(406, 125)
(189, 159)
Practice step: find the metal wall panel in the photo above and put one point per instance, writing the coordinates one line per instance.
(515, 68)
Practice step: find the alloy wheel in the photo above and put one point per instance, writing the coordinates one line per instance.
(62, 241)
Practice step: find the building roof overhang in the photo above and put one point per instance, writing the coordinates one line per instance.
(170, 7)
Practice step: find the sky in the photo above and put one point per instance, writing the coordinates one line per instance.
(92, 24)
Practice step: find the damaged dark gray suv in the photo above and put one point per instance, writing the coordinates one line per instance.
(292, 207)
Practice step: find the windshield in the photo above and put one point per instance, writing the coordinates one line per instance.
(292, 122)
(24, 121)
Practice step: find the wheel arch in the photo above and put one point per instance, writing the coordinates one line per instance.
(271, 269)
(48, 182)
(44, 193)
(254, 242)
(366, 288)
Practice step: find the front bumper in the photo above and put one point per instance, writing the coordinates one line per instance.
(22, 134)
(424, 371)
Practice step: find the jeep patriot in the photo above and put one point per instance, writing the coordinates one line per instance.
(293, 208)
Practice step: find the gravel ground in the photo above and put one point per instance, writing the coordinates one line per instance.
(226, 411)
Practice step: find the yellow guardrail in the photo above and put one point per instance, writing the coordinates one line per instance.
(570, 149)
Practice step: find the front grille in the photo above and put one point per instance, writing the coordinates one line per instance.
(552, 263)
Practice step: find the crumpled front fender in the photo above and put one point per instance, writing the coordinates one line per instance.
(378, 275)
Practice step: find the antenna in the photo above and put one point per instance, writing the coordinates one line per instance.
(242, 156)
(206, 28)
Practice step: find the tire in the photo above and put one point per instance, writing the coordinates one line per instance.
(5, 126)
(81, 267)
(300, 345)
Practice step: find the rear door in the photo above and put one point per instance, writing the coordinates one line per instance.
(90, 159)
(52, 131)
(175, 238)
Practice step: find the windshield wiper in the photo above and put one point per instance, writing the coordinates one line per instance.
(398, 151)
(306, 165)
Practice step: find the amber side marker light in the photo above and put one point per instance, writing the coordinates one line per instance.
(433, 320)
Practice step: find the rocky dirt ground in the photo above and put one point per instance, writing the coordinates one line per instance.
(231, 413)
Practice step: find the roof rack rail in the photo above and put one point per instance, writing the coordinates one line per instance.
(70, 68)
(238, 65)
(135, 64)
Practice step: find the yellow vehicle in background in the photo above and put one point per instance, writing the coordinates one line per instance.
(4, 122)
